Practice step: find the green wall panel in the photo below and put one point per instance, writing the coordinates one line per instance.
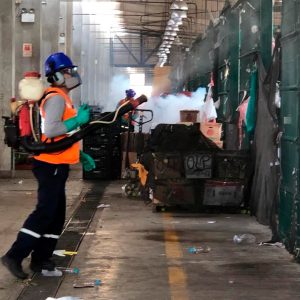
(291, 19)
(291, 61)
(289, 217)
(290, 114)
(255, 35)
(285, 212)
(246, 66)
(290, 171)
(249, 26)
(199, 64)
(289, 214)
(227, 33)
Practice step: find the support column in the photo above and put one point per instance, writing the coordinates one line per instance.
(7, 76)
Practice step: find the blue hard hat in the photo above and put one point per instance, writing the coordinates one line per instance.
(56, 62)
(130, 93)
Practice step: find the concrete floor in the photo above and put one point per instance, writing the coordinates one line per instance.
(140, 255)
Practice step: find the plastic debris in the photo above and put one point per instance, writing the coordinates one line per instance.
(103, 206)
(87, 284)
(151, 194)
(70, 253)
(69, 270)
(245, 238)
(64, 252)
(196, 250)
(64, 298)
(275, 244)
(20, 182)
(55, 273)
(211, 222)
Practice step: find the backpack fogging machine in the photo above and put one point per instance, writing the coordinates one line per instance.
(21, 129)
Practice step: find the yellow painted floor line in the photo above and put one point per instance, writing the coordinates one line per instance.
(177, 275)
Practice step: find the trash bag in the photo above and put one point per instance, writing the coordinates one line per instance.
(174, 137)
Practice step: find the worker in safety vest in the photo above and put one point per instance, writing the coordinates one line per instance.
(125, 118)
(41, 230)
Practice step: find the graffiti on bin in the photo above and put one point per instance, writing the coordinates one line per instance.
(198, 165)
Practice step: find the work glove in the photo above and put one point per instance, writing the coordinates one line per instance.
(87, 161)
(83, 116)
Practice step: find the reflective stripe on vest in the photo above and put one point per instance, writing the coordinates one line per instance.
(70, 155)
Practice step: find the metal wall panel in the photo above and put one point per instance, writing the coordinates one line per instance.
(291, 16)
(255, 36)
(291, 61)
(285, 212)
(290, 142)
(227, 45)
(290, 114)
(289, 228)
(199, 62)
(290, 160)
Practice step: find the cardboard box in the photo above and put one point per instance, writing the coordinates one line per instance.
(212, 131)
(189, 116)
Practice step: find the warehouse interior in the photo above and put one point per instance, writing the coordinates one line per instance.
(194, 194)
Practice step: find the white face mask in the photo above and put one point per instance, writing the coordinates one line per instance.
(72, 82)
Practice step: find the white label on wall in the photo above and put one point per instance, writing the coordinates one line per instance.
(27, 50)
(287, 120)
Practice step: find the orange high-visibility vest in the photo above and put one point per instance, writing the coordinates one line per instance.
(70, 155)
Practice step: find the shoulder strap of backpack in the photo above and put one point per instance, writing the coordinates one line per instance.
(44, 96)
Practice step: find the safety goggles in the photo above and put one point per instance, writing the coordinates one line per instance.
(70, 71)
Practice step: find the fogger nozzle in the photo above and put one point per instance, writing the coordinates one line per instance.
(138, 101)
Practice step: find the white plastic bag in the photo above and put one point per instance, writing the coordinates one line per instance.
(277, 97)
(208, 110)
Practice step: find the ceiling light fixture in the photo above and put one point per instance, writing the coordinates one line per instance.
(179, 5)
(172, 23)
(170, 28)
(170, 33)
(178, 21)
(168, 38)
(178, 14)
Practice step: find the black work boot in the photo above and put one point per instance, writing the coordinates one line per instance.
(14, 267)
(37, 266)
